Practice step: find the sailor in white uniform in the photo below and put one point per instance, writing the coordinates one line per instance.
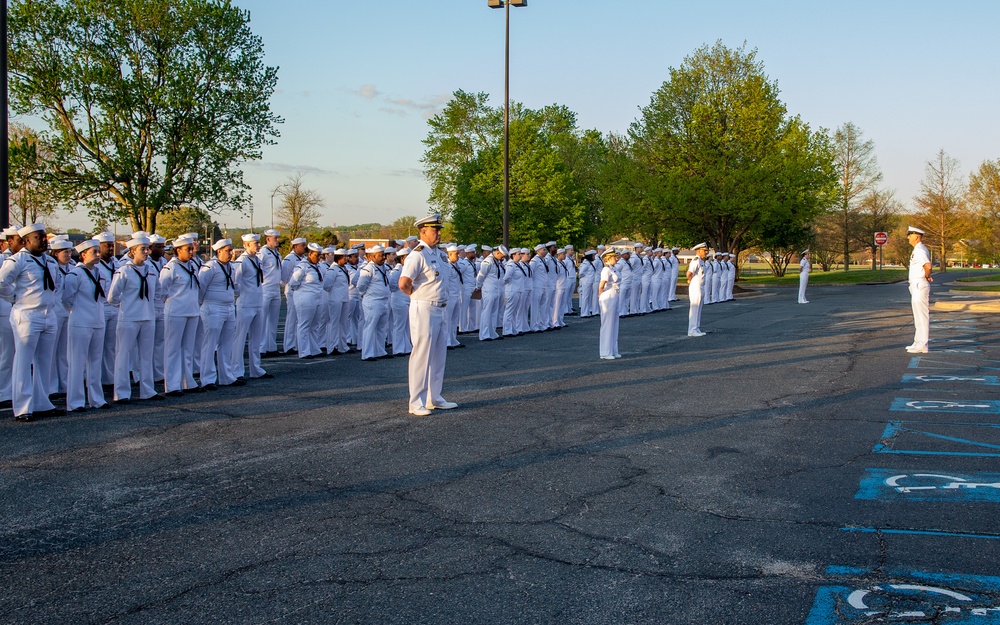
(571, 277)
(539, 289)
(61, 250)
(27, 276)
(731, 282)
(181, 315)
(514, 278)
(920, 289)
(134, 292)
(399, 302)
(310, 288)
(373, 284)
(589, 277)
(490, 283)
(719, 277)
(423, 281)
(456, 294)
(623, 267)
(84, 295)
(270, 264)
(107, 266)
(696, 281)
(559, 289)
(288, 265)
(609, 289)
(675, 267)
(11, 244)
(217, 292)
(708, 284)
(338, 324)
(805, 267)
(248, 274)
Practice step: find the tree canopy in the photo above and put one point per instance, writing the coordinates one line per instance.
(151, 105)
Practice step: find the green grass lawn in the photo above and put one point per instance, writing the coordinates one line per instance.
(991, 288)
(854, 276)
(990, 278)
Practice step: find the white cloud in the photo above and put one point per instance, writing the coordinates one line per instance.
(291, 169)
(368, 92)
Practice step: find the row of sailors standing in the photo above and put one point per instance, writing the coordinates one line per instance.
(647, 279)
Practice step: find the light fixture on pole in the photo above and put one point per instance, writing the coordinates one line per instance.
(500, 4)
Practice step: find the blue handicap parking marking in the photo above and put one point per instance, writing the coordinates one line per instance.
(913, 597)
(948, 363)
(977, 380)
(972, 440)
(965, 406)
(955, 350)
(928, 485)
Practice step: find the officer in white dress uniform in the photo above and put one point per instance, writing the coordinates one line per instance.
(181, 315)
(338, 324)
(539, 289)
(920, 290)
(84, 295)
(399, 302)
(423, 281)
(696, 281)
(490, 283)
(61, 250)
(609, 289)
(270, 264)
(248, 274)
(310, 288)
(288, 265)
(27, 277)
(805, 267)
(134, 292)
(217, 292)
(373, 284)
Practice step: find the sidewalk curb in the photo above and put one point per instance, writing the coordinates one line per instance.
(969, 306)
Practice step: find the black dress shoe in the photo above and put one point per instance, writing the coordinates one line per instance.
(122, 402)
(266, 376)
(195, 389)
(291, 352)
(157, 397)
(240, 382)
(211, 387)
(175, 393)
(80, 409)
(451, 347)
(369, 359)
(55, 412)
(25, 418)
(460, 346)
(385, 357)
(104, 406)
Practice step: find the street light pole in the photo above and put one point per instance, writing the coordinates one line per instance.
(498, 4)
(4, 154)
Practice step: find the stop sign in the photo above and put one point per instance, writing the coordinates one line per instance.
(881, 238)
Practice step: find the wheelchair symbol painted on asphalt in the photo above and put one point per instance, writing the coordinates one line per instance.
(912, 486)
(978, 406)
(950, 483)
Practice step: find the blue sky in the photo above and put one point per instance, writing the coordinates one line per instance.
(358, 79)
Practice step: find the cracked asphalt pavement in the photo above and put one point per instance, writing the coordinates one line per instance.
(696, 480)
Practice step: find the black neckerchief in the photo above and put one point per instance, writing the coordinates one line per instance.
(143, 285)
(65, 272)
(110, 269)
(528, 265)
(346, 275)
(192, 275)
(318, 272)
(260, 272)
(229, 276)
(518, 265)
(461, 280)
(48, 284)
(98, 289)
(385, 279)
(274, 252)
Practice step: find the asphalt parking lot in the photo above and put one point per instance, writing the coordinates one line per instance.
(793, 466)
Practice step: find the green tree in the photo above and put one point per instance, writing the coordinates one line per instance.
(153, 104)
(33, 197)
(727, 162)
(857, 176)
(983, 198)
(176, 221)
(941, 201)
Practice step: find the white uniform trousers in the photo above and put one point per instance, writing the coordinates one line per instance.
(250, 334)
(178, 352)
(489, 304)
(158, 333)
(475, 307)
(608, 303)
(465, 324)
(345, 326)
(672, 296)
(624, 298)
(60, 357)
(271, 308)
(803, 283)
(319, 323)
(694, 310)
(358, 323)
(335, 339)
(349, 322)
(655, 287)
(523, 308)
(83, 385)
(717, 283)
(498, 317)
(199, 341)
(306, 305)
(110, 338)
(34, 341)
(539, 321)
(511, 310)
(558, 308)
(454, 314)
(429, 336)
(635, 294)
(376, 327)
(291, 336)
(587, 289)
(644, 295)
(6, 353)
(140, 334)
(920, 301)
(730, 283)
(219, 321)
(401, 326)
